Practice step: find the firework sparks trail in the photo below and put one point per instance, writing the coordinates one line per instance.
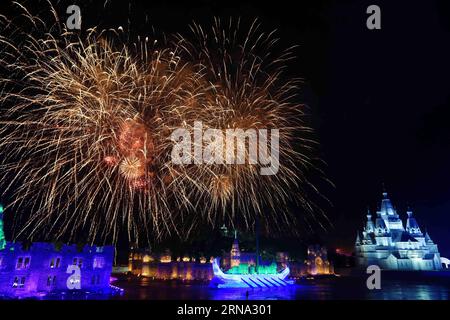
(86, 124)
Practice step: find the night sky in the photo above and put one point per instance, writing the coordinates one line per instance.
(379, 99)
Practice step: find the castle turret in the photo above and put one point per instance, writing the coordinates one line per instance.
(411, 224)
(369, 223)
(235, 252)
(382, 233)
(386, 208)
(428, 239)
(389, 214)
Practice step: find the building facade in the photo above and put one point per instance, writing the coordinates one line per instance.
(142, 262)
(42, 268)
(391, 245)
(315, 264)
(163, 266)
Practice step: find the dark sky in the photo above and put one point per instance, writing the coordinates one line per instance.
(379, 98)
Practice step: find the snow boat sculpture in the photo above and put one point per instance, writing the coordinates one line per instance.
(248, 280)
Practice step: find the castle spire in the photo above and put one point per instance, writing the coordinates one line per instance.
(409, 212)
(369, 224)
(386, 207)
(235, 254)
(383, 188)
(411, 224)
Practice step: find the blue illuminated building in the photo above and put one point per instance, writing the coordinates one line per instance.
(391, 245)
(42, 268)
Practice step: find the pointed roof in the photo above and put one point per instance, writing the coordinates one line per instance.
(411, 224)
(380, 224)
(235, 245)
(358, 241)
(427, 238)
(386, 208)
(367, 238)
(369, 214)
(369, 224)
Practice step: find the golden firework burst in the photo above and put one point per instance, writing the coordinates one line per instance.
(86, 122)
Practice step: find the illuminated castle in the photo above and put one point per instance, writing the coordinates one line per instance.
(391, 245)
(42, 268)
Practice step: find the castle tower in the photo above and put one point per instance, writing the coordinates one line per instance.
(428, 239)
(358, 241)
(389, 214)
(2, 234)
(411, 224)
(235, 252)
(369, 224)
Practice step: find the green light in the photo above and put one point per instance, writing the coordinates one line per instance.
(2, 234)
(244, 268)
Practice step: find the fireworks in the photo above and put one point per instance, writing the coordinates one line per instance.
(86, 124)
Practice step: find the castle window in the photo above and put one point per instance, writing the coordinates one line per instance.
(99, 262)
(51, 281)
(78, 261)
(55, 262)
(19, 282)
(22, 263)
(95, 279)
(19, 263)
